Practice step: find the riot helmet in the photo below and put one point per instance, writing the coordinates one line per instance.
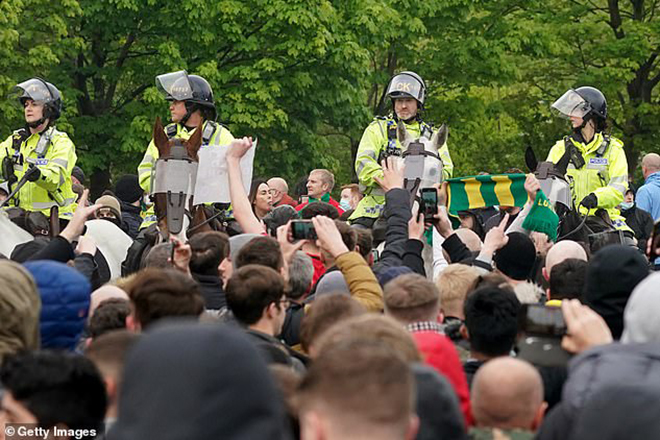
(583, 102)
(194, 90)
(41, 92)
(407, 85)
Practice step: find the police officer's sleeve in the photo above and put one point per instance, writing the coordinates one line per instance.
(366, 161)
(5, 150)
(225, 136)
(447, 163)
(556, 152)
(61, 160)
(611, 195)
(146, 166)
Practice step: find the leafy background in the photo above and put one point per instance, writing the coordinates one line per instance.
(306, 76)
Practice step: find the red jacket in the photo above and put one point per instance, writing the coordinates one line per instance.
(439, 352)
(287, 200)
(319, 267)
(331, 201)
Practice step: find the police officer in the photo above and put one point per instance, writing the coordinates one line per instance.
(598, 169)
(41, 152)
(407, 91)
(191, 107)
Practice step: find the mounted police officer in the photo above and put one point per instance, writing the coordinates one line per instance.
(598, 169)
(39, 153)
(407, 91)
(191, 107)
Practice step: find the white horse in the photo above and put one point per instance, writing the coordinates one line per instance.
(111, 241)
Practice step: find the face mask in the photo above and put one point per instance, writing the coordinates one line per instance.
(345, 205)
(626, 206)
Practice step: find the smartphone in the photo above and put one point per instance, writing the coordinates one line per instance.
(429, 205)
(655, 242)
(303, 230)
(376, 255)
(541, 329)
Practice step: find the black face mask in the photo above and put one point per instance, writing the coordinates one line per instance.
(117, 222)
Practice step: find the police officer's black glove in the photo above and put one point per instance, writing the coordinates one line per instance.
(590, 202)
(33, 174)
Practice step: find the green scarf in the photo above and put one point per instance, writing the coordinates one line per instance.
(325, 198)
(542, 217)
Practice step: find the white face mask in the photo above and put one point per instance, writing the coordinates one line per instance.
(624, 206)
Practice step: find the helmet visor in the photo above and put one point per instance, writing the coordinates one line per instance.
(175, 86)
(34, 89)
(571, 104)
(405, 86)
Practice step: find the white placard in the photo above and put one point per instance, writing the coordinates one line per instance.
(212, 185)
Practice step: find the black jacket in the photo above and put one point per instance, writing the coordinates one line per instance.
(130, 215)
(211, 288)
(275, 351)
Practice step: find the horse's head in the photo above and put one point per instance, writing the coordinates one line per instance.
(174, 177)
(552, 178)
(423, 165)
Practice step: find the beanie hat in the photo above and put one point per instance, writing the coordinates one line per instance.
(78, 173)
(387, 275)
(128, 188)
(516, 259)
(641, 323)
(612, 274)
(108, 201)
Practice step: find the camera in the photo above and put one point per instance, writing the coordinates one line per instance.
(541, 329)
(303, 230)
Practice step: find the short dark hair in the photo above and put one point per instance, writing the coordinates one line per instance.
(567, 279)
(491, 318)
(158, 256)
(365, 242)
(348, 234)
(109, 315)
(411, 298)
(208, 251)
(57, 387)
(301, 274)
(264, 251)
(164, 293)
(109, 351)
(319, 208)
(323, 313)
(251, 289)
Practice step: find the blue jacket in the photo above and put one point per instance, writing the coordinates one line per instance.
(65, 296)
(648, 196)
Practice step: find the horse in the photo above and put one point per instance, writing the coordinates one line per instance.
(172, 190)
(595, 231)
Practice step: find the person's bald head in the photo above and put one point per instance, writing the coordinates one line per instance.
(469, 238)
(650, 164)
(507, 393)
(562, 251)
(278, 188)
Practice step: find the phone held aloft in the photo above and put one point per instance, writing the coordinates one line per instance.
(540, 331)
(429, 202)
(303, 230)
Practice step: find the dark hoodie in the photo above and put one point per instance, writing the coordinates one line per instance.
(438, 408)
(612, 274)
(195, 382)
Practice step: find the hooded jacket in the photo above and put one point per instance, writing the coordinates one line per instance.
(197, 382)
(648, 196)
(19, 310)
(65, 296)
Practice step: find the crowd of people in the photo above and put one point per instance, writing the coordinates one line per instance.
(380, 322)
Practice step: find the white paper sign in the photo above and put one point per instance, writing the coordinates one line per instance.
(212, 185)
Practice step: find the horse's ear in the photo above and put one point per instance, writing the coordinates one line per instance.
(530, 160)
(194, 143)
(562, 165)
(402, 133)
(160, 139)
(439, 138)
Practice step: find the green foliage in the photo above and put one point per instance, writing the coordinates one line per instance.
(306, 76)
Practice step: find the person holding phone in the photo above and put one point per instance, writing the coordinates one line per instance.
(407, 92)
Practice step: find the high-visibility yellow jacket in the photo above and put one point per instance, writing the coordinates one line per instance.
(221, 136)
(55, 164)
(374, 141)
(605, 175)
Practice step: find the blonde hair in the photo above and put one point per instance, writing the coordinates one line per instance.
(326, 177)
(454, 283)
